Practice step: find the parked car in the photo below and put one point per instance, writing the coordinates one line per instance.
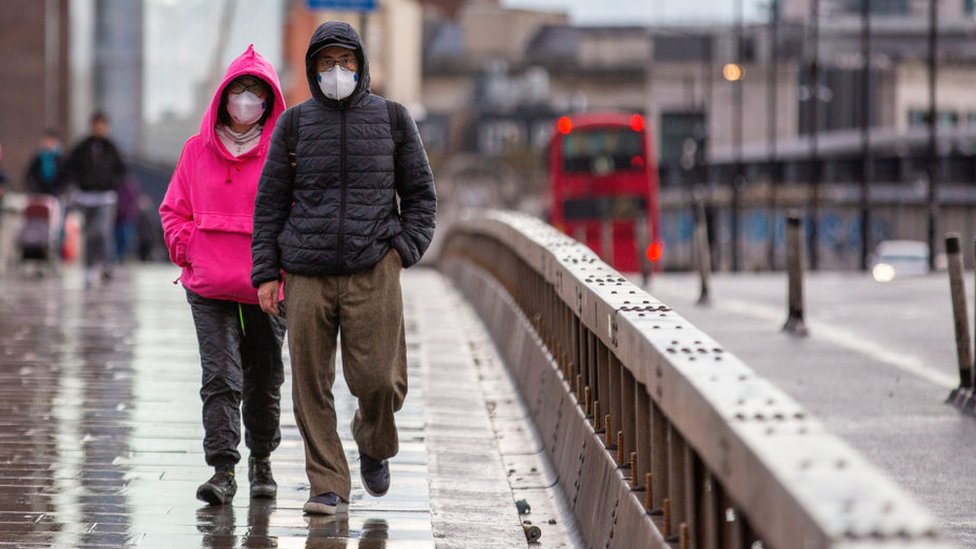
(898, 259)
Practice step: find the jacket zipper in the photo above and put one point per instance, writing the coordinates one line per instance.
(342, 187)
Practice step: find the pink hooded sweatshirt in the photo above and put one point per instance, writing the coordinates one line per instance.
(208, 210)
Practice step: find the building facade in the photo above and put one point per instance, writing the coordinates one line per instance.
(34, 46)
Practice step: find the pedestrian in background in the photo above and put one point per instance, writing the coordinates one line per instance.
(207, 220)
(44, 171)
(332, 221)
(125, 218)
(96, 167)
(45, 175)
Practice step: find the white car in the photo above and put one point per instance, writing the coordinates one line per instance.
(899, 258)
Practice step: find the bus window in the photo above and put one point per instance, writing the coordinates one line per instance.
(602, 151)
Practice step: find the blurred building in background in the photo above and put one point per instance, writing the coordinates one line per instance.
(497, 78)
(34, 47)
(486, 83)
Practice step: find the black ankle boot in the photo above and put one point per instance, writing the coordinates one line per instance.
(263, 484)
(221, 487)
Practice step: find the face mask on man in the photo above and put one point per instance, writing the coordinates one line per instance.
(338, 83)
(245, 108)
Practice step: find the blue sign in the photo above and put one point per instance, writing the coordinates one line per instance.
(341, 5)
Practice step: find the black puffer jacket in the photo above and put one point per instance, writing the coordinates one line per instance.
(96, 165)
(339, 213)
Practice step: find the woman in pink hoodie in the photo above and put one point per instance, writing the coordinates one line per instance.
(207, 221)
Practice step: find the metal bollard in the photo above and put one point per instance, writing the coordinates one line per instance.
(704, 253)
(640, 229)
(532, 532)
(648, 492)
(794, 270)
(957, 290)
(606, 240)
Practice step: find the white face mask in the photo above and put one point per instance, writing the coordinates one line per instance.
(338, 83)
(245, 108)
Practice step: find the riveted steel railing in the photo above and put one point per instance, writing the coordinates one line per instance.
(659, 436)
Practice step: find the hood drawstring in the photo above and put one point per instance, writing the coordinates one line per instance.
(227, 180)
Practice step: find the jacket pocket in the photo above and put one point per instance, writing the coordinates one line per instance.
(228, 223)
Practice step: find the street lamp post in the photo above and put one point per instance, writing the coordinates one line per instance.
(771, 127)
(933, 153)
(737, 132)
(815, 174)
(866, 165)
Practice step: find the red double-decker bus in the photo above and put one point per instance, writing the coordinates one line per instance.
(603, 186)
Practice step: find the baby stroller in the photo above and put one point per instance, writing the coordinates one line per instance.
(37, 240)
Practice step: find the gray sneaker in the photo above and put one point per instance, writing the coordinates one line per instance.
(322, 504)
(375, 475)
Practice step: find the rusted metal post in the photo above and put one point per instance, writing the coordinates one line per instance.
(648, 492)
(596, 416)
(794, 270)
(703, 253)
(957, 290)
(666, 526)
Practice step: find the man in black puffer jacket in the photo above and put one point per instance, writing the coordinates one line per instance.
(328, 217)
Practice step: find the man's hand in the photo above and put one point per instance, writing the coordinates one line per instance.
(268, 297)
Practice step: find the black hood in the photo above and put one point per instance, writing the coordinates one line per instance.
(339, 34)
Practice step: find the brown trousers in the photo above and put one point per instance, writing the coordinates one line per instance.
(367, 309)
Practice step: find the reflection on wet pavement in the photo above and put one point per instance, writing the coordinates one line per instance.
(100, 435)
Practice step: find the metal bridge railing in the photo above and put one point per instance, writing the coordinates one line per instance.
(660, 436)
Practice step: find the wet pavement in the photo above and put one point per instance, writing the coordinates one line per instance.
(100, 434)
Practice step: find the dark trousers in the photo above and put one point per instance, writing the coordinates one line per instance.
(366, 308)
(240, 352)
(99, 231)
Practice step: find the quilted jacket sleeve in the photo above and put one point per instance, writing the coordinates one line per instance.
(415, 186)
(272, 206)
